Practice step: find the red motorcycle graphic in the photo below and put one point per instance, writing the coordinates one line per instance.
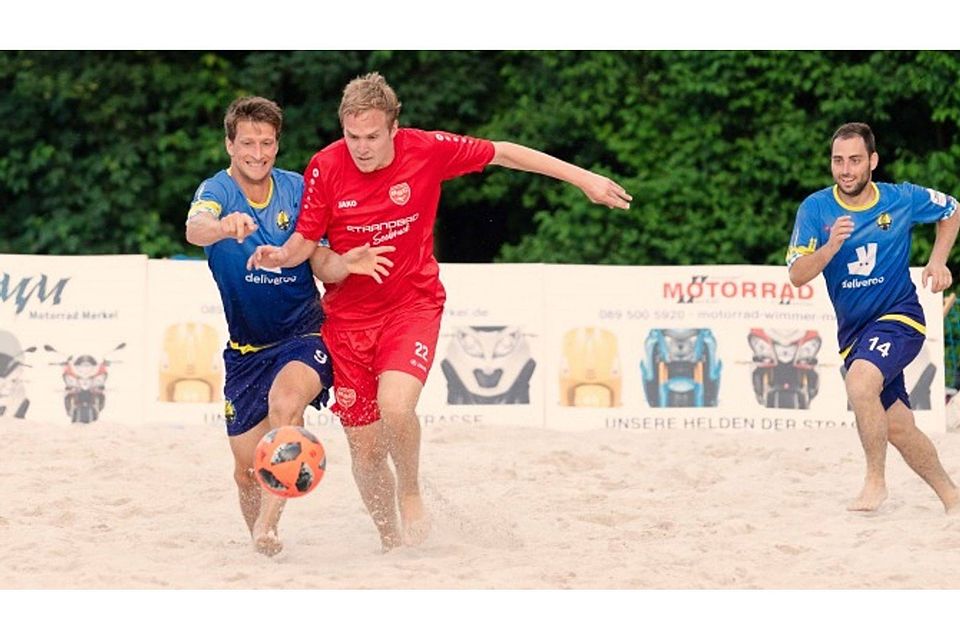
(784, 374)
(84, 384)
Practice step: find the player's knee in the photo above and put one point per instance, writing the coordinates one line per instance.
(396, 413)
(243, 476)
(285, 408)
(861, 392)
(899, 431)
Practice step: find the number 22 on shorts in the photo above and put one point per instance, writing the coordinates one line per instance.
(883, 348)
(421, 350)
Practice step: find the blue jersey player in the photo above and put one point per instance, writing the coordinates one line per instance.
(276, 361)
(857, 233)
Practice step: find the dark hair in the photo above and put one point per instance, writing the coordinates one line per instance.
(853, 129)
(255, 109)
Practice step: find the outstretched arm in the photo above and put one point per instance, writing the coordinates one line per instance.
(806, 268)
(204, 228)
(294, 251)
(331, 267)
(937, 269)
(599, 189)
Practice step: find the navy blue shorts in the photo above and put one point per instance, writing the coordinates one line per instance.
(249, 378)
(891, 346)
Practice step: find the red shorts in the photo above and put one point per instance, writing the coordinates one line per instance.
(403, 341)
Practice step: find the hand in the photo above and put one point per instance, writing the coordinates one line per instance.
(940, 276)
(237, 225)
(267, 256)
(369, 261)
(839, 232)
(602, 190)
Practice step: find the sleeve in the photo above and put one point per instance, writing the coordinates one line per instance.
(207, 199)
(458, 155)
(929, 205)
(315, 209)
(806, 232)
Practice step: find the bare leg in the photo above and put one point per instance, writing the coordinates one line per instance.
(258, 506)
(293, 389)
(864, 384)
(374, 478)
(920, 454)
(397, 396)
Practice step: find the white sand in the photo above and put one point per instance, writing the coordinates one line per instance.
(108, 506)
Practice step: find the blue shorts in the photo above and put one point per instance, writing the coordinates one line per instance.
(249, 378)
(891, 346)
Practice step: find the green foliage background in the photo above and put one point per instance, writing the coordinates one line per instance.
(102, 151)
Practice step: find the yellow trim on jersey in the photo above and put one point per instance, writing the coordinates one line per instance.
(205, 206)
(863, 207)
(244, 349)
(795, 252)
(257, 205)
(910, 322)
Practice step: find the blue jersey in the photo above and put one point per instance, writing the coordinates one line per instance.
(262, 307)
(869, 278)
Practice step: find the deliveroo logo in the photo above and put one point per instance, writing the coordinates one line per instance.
(865, 262)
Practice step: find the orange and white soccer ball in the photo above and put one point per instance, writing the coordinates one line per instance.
(289, 462)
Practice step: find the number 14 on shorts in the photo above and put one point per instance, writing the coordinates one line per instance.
(882, 347)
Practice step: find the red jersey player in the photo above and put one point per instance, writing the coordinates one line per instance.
(380, 185)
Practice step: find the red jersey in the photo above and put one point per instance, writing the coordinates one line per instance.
(396, 205)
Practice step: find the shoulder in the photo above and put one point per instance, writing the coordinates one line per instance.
(287, 179)
(899, 189)
(327, 160)
(217, 186)
(818, 200)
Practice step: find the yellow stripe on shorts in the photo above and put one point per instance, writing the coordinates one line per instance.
(910, 322)
(893, 317)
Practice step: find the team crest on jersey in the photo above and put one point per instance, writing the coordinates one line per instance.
(345, 397)
(283, 221)
(400, 193)
(884, 220)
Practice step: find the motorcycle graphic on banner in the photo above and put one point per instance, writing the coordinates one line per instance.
(13, 394)
(488, 365)
(785, 367)
(84, 384)
(680, 368)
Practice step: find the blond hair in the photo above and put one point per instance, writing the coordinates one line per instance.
(369, 92)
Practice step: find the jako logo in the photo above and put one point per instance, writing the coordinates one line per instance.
(702, 289)
(865, 262)
(23, 291)
(346, 204)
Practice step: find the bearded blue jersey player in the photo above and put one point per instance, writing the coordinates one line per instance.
(276, 361)
(858, 234)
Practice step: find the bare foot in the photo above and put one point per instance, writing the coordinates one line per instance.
(266, 542)
(390, 541)
(952, 505)
(415, 520)
(870, 498)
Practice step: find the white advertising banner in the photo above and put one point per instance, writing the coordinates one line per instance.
(725, 348)
(488, 367)
(186, 334)
(71, 338)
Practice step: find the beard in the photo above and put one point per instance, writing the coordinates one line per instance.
(858, 186)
